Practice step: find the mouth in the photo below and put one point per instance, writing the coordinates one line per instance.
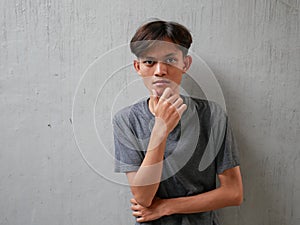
(161, 82)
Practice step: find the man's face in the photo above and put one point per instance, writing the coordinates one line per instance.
(162, 66)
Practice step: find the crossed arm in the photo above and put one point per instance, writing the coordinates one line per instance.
(145, 182)
(168, 110)
(230, 193)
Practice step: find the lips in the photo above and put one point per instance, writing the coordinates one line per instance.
(161, 82)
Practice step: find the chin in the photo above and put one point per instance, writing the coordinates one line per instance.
(159, 91)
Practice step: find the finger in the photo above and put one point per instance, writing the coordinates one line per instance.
(136, 213)
(181, 109)
(133, 201)
(154, 96)
(134, 207)
(166, 94)
(140, 219)
(154, 99)
(178, 102)
(154, 92)
(172, 99)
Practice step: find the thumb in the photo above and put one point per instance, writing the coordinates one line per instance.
(154, 96)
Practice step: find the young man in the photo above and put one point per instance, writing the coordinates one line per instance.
(172, 147)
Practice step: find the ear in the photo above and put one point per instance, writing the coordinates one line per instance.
(136, 65)
(187, 62)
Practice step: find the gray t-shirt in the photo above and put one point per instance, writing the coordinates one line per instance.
(200, 147)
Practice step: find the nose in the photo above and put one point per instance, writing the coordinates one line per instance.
(160, 69)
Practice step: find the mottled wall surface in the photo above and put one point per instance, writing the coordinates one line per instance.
(253, 48)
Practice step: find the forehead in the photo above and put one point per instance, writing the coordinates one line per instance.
(162, 49)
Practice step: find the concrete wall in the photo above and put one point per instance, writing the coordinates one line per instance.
(252, 47)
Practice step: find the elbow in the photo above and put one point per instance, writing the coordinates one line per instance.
(143, 201)
(237, 199)
(145, 204)
(142, 196)
(234, 196)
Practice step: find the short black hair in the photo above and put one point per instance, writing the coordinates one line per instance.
(160, 30)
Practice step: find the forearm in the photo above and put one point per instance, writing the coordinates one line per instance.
(167, 110)
(208, 201)
(212, 200)
(146, 180)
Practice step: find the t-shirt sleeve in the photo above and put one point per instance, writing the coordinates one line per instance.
(128, 156)
(228, 156)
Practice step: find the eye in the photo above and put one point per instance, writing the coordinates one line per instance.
(149, 62)
(171, 60)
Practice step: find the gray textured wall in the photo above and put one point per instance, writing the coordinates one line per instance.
(252, 47)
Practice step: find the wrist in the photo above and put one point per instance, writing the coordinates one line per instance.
(168, 207)
(158, 138)
(160, 128)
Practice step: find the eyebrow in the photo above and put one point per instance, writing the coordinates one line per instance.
(171, 54)
(153, 58)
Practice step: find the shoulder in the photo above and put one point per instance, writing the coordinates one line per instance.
(210, 113)
(126, 113)
(208, 107)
